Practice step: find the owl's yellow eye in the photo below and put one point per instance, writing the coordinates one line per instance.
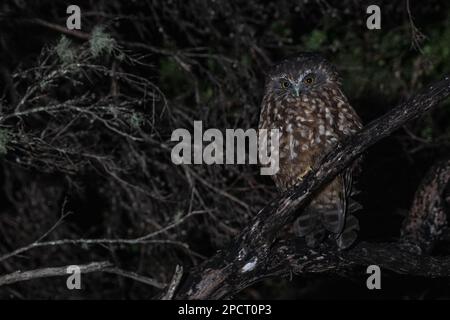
(308, 80)
(285, 84)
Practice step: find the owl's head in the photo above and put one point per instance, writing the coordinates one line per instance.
(301, 75)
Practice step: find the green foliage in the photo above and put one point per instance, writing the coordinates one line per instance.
(101, 43)
(64, 51)
(136, 120)
(281, 28)
(245, 60)
(438, 47)
(315, 40)
(207, 93)
(427, 132)
(173, 79)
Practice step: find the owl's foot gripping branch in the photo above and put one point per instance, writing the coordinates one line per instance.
(258, 253)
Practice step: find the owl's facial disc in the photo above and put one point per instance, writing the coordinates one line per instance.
(300, 84)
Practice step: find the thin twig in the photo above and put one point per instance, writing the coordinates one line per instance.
(173, 283)
(51, 272)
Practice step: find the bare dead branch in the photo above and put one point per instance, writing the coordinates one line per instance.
(252, 249)
(94, 242)
(51, 272)
(170, 291)
(137, 277)
(293, 256)
(140, 240)
(104, 266)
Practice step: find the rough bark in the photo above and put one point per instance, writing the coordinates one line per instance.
(252, 257)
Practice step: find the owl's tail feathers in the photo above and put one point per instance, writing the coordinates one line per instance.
(315, 223)
(308, 225)
(333, 219)
(353, 206)
(349, 233)
(346, 238)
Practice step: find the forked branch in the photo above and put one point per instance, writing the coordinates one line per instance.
(251, 257)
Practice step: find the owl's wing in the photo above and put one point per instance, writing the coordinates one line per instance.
(349, 231)
(333, 210)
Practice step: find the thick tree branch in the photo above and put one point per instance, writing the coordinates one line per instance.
(252, 250)
(292, 256)
(104, 266)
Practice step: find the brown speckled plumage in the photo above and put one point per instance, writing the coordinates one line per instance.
(312, 115)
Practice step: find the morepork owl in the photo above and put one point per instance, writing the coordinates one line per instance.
(304, 100)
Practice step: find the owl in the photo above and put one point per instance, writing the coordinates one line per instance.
(303, 99)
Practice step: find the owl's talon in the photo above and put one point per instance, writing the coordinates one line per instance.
(305, 173)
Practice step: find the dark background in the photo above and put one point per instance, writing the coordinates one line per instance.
(97, 152)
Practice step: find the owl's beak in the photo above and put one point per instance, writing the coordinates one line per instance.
(296, 91)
